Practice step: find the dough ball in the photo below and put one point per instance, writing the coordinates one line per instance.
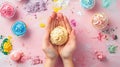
(59, 35)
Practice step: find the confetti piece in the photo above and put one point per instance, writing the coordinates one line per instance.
(65, 3)
(115, 37)
(79, 13)
(109, 30)
(54, 0)
(1, 36)
(56, 9)
(73, 22)
(100, 55)
(60, 4)
(42, 25)
(36, 60)
(106, 3)
(112, 49)
(101, 36)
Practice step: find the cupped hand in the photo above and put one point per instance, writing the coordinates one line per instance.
(49, 49)
(66, 50)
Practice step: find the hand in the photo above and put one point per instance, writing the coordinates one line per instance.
(49, 49)
(67, 49)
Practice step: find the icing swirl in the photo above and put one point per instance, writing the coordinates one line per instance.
(19, 28)
(59, 36)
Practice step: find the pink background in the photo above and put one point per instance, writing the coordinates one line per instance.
(87, 43)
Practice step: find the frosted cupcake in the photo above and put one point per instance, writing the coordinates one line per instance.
(59, 36)
(7, 10)
(87, 4)
(19, 28)
(99, 21)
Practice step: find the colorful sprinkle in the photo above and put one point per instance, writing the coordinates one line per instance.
(6, 46)
(101, 36)
(106, 3)
(42, 25)
(19, 28)
(112, 49)
(57, 9)
(65, 3)
(100, 56)
(79, 13)
(36, 60)
(54, 0)
(73, 22)
(60, 4)
(1, 36)
(87, 4)
(114, 37)
(36, 6)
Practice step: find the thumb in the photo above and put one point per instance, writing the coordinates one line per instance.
(47, 35)
(72, 35)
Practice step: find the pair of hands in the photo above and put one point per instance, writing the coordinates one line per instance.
(65, 51)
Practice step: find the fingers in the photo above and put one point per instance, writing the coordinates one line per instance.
(53, 23)
(72, 35)
(46, 36)
(72, 40)
(61, 20)
(69, 28)
(50, 26)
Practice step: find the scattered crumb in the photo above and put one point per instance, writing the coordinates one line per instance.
(36, 60)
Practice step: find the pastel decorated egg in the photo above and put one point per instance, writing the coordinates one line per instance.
(99, 21)
(7, 10)
(87, 4)
(59, 36)
(19, 28)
